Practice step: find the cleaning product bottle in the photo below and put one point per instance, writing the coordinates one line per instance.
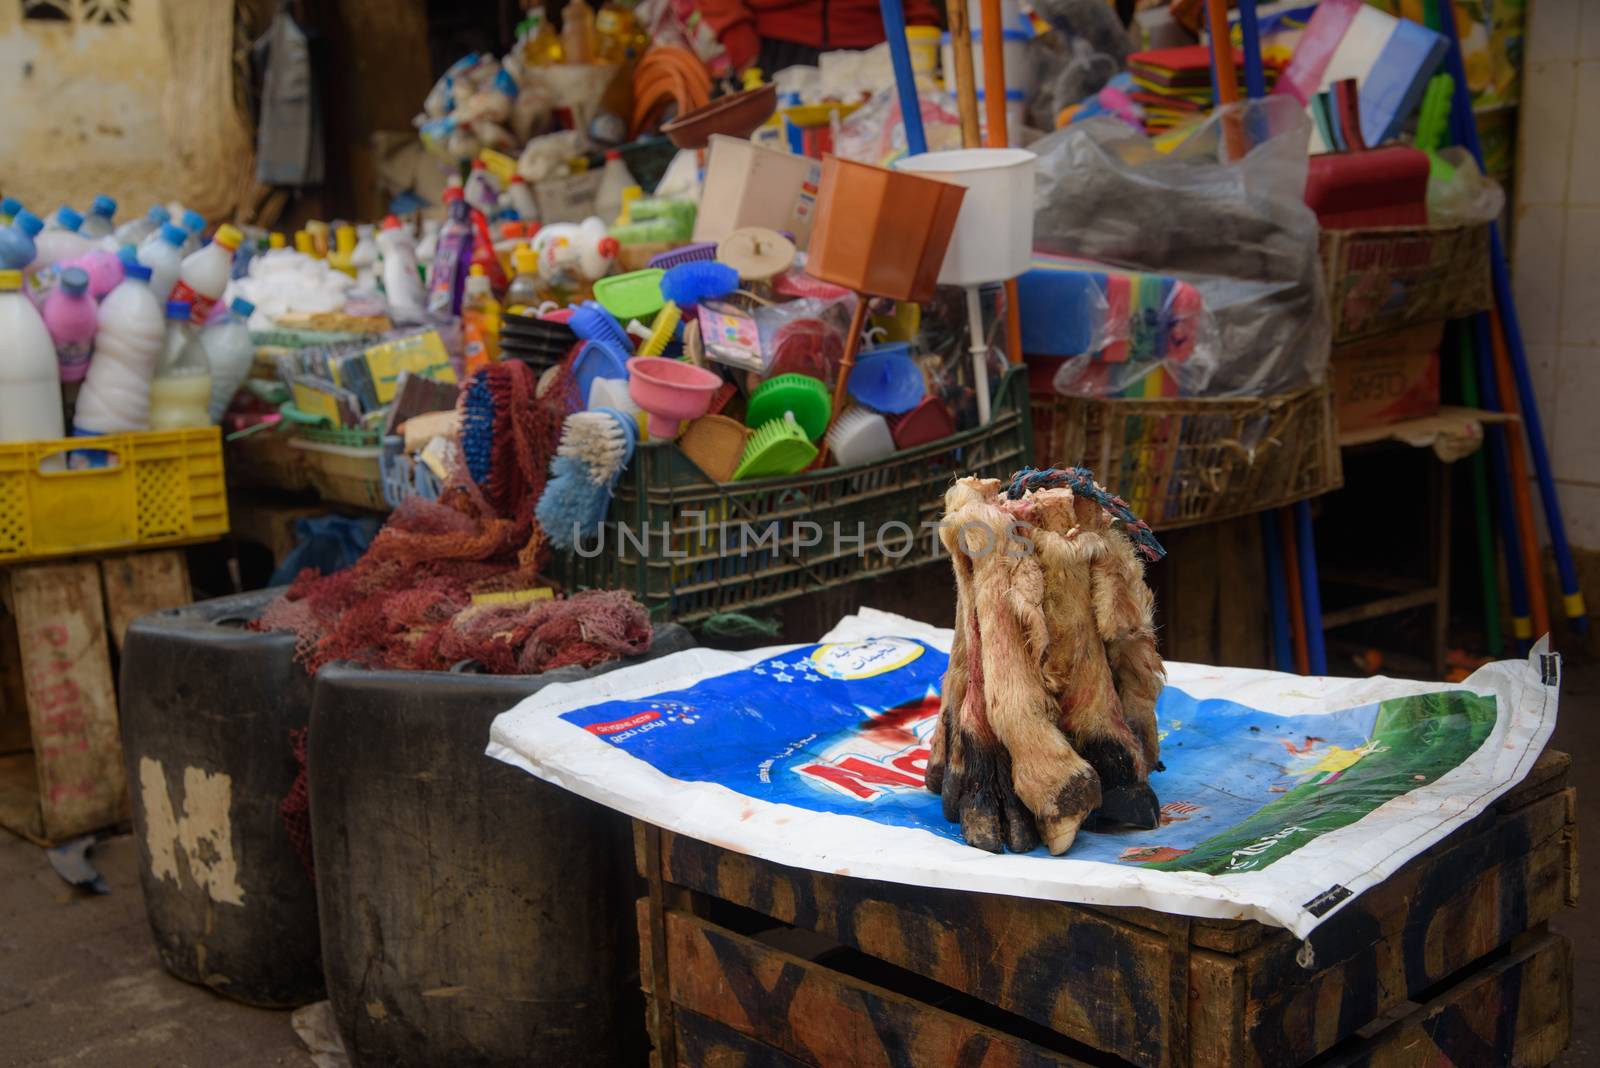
(480, 322)
(134, 231)
(402, 285)
(541, 45)
(451, 256)
(10, 208)
(98, 222)
(16, 241)
(525, 291)
(60, 239)
(428, 241)
(482, 190)
(230, 353)
(104, 269)
(483, 252)
(204, 273)
(69, 315)
(365, 255)
(511, 234)
(180, 391)
(195, 224)
(616, 32)
(277, 239)
(164, 259)
(614, 179)
(115, 397)
(248, 250)
(30, 382)
(577, 32)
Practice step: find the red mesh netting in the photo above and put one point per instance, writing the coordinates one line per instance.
(408, 602)
(295, 808)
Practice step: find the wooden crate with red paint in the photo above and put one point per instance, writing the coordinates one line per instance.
(745, 962)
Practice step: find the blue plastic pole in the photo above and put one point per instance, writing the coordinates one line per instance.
(1466, 131)
(1255, 78)
(1310, 594)
(1277, 594)
(905, 82)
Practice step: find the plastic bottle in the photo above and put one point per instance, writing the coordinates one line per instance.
(30, 383)
(480, 322)
(428, 243)
(247, 251)
(204, 274)
(164, 259)
(482, 190)
(115, 397)
(521, 199)
(277, 239)
(180, 391)
(16, 241)
(616, 31)
(541, 45)
(450, 259)
(230, 353)
(483, 252)
(525, 290)
(98, 222)
(104, 269)
(10, 208)
(69, 315)
(614, 180)
(134, 231)
(60, 240)
(577, 32)
(195, 224)
(365, 254)
(401, 283)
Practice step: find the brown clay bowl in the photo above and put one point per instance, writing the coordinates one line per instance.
(736, 116)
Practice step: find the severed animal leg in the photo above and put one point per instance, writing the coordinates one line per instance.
(1124, 608)
(954, 689)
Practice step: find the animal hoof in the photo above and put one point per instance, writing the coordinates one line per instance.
(1134, 805)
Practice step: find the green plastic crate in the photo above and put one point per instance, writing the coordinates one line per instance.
(738, 546)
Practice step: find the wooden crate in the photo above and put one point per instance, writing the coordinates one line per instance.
(61, 771)
(745, 962)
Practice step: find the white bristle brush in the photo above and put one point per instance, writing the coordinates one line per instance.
(859, 436)
(602, 440)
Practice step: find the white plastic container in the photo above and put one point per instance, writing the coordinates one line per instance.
(60, 240)
(180, 392)
(1016, 115)
(134, 231)
(748, 185)
(521, 199)
(402, 284)
(1014, 45)
(98, 223)
(115, 397)
(615, 178)
(164, 258)
(204, 273)
(230, 353)
(993, 238)
(30, 381)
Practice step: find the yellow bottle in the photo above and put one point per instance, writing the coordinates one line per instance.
(541, 45)
(302, 243)
(526, 289)
(616, 32)
(577, 32)
(276, 239)
(480, 322)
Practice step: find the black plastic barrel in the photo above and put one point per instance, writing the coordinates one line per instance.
(207, 710)
(471, 913)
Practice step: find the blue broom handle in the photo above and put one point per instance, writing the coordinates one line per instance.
(894, 29)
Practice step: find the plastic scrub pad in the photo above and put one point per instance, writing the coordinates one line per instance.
(803, 395)
(779, 448)
(887, 379)
(756, 253)
(597, 359)
(635, 295)
(591, 322)
(860, 437)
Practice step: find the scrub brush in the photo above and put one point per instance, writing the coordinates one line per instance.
(689, 284)
(595, 447)
(603, 439)
(591, 322)
(661, 333)
(804, 396)
(780, 447)
(860, 437)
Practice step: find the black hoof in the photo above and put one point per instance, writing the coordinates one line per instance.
(1134, 805)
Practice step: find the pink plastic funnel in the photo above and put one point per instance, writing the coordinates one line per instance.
(670, 392)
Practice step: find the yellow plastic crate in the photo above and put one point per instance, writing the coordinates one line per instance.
(163, 487)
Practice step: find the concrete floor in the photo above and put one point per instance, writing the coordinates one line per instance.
(80, 982)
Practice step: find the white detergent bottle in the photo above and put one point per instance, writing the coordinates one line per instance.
(60, 240)
(230, 353)
(164, 259)
(194, 225)
(134, 231)
(30, 379)
(97, 223)
(180, 392)
(205, 272)
(402, 283)
(115, 397)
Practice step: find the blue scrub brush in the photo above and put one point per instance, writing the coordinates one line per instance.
(594, 450)
(591, 322)
(690, 284)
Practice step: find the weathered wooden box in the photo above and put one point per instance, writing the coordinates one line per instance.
(748, 963)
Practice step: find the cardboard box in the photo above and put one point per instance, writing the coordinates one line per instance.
(1385, 379)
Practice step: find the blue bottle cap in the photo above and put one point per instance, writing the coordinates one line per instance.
(68, 218)
(28, 222)
(135, 270)
(194, 222)
(75, 280)
(173, 235)
(159, 214)
(242, 308)
(10, 206)
(104, 205)
(178, 309)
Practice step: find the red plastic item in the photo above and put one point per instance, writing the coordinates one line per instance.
(483, 253)
(929, 421)
(1379, 187)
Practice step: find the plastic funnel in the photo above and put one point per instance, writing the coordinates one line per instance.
(670, 391)
(887, 379)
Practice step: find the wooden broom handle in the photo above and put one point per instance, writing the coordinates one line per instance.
(964, 76)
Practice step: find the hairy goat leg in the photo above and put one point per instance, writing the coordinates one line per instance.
(1124, 609)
